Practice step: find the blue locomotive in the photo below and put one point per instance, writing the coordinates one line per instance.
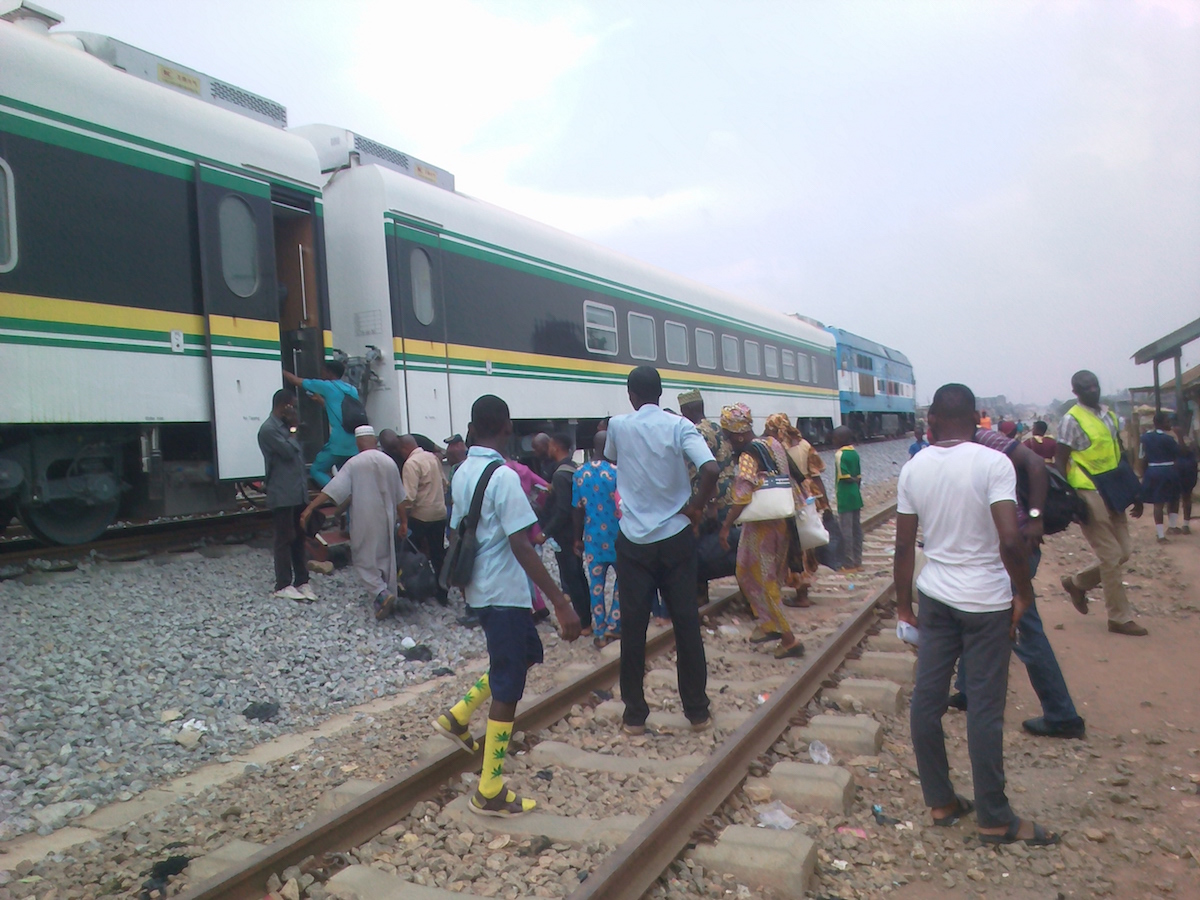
(875, 387)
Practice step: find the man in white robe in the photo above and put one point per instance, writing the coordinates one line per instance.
(371, 482)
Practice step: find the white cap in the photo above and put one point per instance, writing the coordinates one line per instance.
(364, 431)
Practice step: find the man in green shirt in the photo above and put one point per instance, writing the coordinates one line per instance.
(848, 471)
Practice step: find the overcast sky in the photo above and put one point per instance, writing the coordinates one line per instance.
(1006, 191)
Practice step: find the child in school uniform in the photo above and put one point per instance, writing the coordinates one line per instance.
(498, 592)
(848, 474)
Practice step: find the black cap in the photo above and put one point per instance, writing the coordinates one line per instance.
(453, 439)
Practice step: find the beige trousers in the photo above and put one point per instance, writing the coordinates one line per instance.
(1108, 533)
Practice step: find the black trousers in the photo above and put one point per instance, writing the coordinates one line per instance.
(669, 567)
(430, 539)
(291, 556)
(575, 585)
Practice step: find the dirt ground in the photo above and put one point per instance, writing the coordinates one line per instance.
(1127, 797)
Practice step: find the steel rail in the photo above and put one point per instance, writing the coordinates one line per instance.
(368, 815)
(631, 870)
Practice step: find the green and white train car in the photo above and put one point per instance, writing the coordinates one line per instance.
(464, 298)
(152, 246)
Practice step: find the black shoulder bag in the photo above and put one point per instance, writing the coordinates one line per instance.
(1063, 505)
(460, 556)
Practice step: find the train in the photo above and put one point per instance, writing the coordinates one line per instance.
(168, 243)
(876, 388)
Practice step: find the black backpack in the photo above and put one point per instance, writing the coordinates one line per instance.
(354, 413)
(1063, 504)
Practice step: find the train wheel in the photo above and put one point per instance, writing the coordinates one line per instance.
(68, 521)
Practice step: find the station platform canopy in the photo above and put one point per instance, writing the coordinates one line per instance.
(1170, 347)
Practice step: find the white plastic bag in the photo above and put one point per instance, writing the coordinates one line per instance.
(776, 815)
(810, 527)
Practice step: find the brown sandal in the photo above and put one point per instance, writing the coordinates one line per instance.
(505, 805)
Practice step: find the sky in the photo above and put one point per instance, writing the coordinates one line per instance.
(1005, 190)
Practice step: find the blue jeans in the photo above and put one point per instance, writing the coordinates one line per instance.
(1033, 648)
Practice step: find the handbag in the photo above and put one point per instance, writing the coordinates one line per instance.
(1119, 487)
(414, 571)
(809, 527)
(1063, 504)
(773, 499)
(460, 556)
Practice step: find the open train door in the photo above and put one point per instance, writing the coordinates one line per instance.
(241, 312)
(415, 272)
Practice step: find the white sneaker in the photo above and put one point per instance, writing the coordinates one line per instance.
(307, 592)
(289, 593)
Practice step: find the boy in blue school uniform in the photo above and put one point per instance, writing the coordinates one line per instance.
(498, 592)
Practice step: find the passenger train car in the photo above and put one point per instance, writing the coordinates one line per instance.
(167, 245)
(875, 387)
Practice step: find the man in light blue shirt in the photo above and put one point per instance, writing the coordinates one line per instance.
(656, 547)
(331, 389)
(499, 592)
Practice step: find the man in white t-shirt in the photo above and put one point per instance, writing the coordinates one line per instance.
(963, 496)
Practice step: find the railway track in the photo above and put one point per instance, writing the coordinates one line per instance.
(643, 848)
(135, 541)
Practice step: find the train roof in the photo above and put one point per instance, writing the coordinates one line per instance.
(466, 219)
(858, 342)
(57, 91)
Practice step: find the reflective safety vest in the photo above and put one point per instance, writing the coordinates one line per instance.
(1103, 453)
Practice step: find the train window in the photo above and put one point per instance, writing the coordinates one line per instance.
(239, 245)
(771, 362)
(729, 354)
(8, 220)
(803, 367)
(642, 339)
(422, 285)
(753, 364)
(706, 349)
(789, 365)
(864, 361)
(677, 343)
(600, 327)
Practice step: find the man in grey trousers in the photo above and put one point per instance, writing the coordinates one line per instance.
(963, 496)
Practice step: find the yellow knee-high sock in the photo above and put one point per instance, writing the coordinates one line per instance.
(480, 692)
(495, 748)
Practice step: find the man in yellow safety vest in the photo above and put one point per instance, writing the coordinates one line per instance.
(1089, 441)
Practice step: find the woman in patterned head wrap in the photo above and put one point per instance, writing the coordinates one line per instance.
(762, 551)
(802, 564)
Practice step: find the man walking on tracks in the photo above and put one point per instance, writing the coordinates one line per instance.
(287, 493)
(425, 497)
(371, 482)
(498, 590)
(656, 547)
(558, 522)
(332, 391)
(1089, 443)
(964, 497)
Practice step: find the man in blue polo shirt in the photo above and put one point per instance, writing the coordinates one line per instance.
(499, 593)
(656, 546)
(331, 389)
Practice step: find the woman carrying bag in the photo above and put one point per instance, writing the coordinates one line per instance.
(805, 466)
(765, 500)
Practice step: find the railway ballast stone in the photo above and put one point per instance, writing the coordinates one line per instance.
(548, 753)
(847, 734)
(874, 694)
(780, 861)
(369, 883)
(898, 667)
(812, 787)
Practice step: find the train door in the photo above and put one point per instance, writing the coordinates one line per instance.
(303, 304)
(418, 313)
(241, 312)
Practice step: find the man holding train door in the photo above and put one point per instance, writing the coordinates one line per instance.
(331, 390)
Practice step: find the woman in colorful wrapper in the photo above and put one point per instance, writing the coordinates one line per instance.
(763, 548)
(807, 463)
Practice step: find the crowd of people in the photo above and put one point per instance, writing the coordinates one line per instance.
(666, 498)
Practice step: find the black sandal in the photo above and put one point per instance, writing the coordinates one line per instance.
(758, 636)
(1041, 837)
(965, 808)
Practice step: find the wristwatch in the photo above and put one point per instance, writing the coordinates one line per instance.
(1035, 513)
